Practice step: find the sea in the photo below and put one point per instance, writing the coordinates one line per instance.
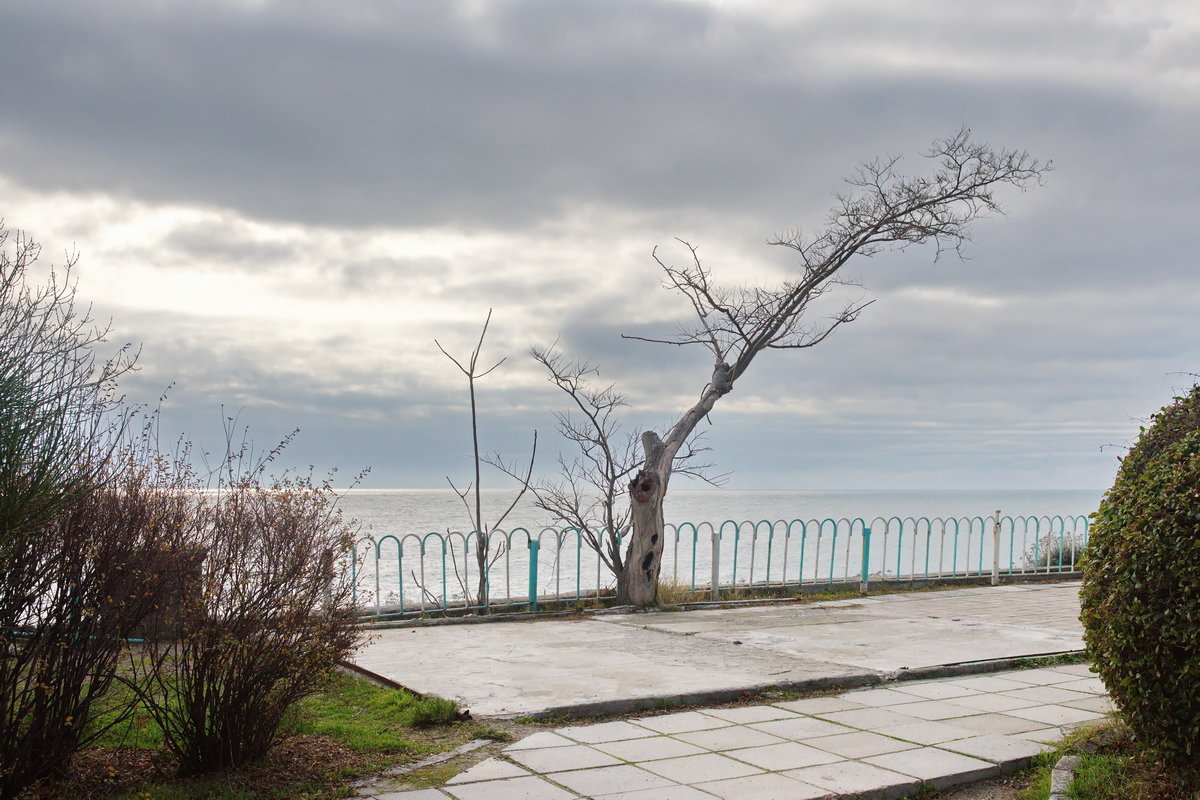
(398, 512)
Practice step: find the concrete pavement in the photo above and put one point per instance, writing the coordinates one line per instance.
(620, 662)
(965, 722)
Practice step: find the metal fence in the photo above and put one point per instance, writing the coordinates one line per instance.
(437, 572)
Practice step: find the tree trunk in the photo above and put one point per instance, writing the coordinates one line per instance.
(638, 584)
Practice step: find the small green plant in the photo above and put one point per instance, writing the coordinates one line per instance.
(370, 718)
(494, 734)
(549, 719)
(432, 710)
(1039, 772)
(336, 716)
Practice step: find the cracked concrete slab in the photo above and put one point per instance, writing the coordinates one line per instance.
(614, 663)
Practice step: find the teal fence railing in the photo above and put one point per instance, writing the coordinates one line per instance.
(402, 575)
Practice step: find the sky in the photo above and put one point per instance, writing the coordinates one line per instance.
(286, 203)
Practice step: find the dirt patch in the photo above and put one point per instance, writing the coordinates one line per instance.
(1007, 788)
(304, 762)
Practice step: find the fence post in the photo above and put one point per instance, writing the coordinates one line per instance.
(996, 548)
(487, 586)
(534, 545)
(865, 586)
(716, 565)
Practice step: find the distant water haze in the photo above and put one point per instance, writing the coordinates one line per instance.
(403, 511)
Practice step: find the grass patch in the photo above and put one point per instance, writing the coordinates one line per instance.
(136, 730)
(369, 718)
(350, 729)
(1113, 766)
(1080, 657)
(1038, 771)
(553, 719)
(1100, 775)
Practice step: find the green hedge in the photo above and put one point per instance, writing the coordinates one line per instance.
(1141, 585)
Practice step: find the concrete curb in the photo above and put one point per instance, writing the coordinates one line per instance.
(605, 708)
(828, 684)
(958, 668)
(1061, 777)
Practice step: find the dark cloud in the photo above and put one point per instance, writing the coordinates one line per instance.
(412, 114)
(201, 243)
(561, 142)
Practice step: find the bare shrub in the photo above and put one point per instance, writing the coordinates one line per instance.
(77, 515)
(240, 592)
(261, 622)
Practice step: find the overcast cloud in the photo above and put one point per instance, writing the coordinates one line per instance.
(287, 202)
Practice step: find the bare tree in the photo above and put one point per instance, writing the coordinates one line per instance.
(484, 557)
(591, 485)
(589, 493)
(882, 210)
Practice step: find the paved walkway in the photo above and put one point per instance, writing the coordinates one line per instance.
(873, 743)
(617, 663)
(879, 742)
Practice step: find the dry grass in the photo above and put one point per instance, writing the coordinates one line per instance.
(671, 594)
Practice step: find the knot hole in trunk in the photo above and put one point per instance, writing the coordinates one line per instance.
(644, 487)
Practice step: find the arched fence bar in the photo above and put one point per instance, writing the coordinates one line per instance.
(414, 574)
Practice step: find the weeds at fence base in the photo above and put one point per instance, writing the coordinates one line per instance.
(499, 610)
(672, 595)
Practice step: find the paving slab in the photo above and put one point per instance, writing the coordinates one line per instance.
(856, 779)
(696, 754)
(732, 738)
(531, 788)
(936, 766)
(765, 786)
(614, 663)
(562, 759)
(490, 770)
